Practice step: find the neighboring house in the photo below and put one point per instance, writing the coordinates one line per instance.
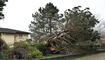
(10, 35)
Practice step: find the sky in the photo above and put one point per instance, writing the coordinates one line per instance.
(18, 13)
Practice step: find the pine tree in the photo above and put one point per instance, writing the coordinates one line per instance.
(46, 21)
(81, 23)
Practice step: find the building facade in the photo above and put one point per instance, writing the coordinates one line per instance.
(10, 35)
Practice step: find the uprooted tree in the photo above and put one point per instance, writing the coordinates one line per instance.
(78, 31)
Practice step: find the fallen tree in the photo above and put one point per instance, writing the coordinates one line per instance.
(78, 32)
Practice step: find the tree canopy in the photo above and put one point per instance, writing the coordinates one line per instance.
(77, 27)
(79, 24)
(2, 4)
(46, 21)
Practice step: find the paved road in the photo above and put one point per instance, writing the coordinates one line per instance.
(100, 56)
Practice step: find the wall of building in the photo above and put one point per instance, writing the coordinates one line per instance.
(24, 37)
(11, 38)
(8, 38)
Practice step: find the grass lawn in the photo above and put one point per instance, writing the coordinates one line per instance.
(100, 56)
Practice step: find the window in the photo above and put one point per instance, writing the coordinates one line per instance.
(20, 36)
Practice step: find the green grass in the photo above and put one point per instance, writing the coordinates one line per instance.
(100, 56)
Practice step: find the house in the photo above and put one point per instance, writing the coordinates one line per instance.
(10, 35)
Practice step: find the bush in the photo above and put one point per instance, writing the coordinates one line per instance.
(40, 45)
(19, 51)
(34, 53)
(4, 54)
(22, 50)
(3, 49)
(29, 41)
(3, 45)
(43, 48)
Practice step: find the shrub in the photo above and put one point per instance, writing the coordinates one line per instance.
(19, 51)
(22, 50)
(3, 45)
(29, 41)
(4, 54)
(3, 49)
(40, 45)
(34, 53)
(21, 44)
(43, 48)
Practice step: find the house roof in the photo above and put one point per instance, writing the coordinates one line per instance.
(12, 31)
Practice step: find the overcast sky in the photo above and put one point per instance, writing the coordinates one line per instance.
(18, 13)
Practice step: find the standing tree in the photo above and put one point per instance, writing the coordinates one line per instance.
(46, 21)
(3, 45)
(2, 3)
